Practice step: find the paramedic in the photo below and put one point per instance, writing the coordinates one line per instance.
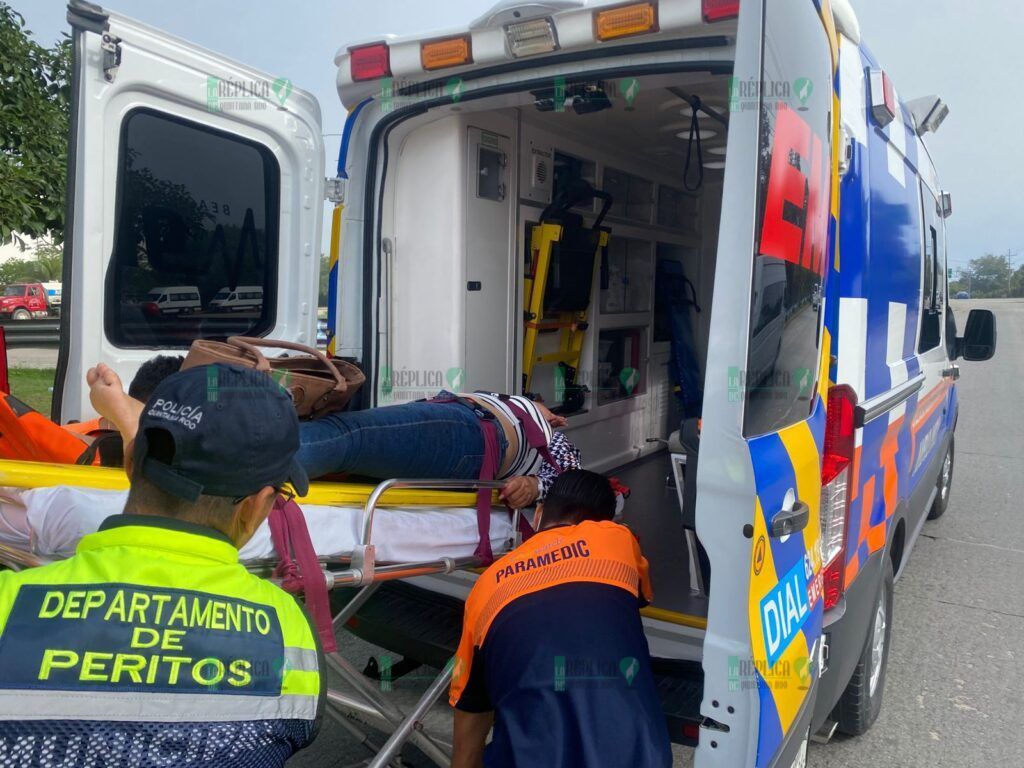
(580, 693)
(152, 645)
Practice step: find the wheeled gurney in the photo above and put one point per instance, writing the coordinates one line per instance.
(363, 536)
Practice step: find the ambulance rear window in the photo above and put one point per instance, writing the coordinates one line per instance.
(196, 207)
(791, 242)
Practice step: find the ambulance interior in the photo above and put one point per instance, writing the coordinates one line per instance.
(466, 183)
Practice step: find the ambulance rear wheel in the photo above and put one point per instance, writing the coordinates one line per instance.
(943, 484)
(861, 702)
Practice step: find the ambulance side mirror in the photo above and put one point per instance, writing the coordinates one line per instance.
(979, 339)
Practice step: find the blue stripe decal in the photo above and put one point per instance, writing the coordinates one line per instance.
(346, 136)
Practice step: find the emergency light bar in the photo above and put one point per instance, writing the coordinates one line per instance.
(625, 20)
(719, 10)
(370, 62)
(448, 52)
(526, 38)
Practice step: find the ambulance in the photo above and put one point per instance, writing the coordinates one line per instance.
(708, 232)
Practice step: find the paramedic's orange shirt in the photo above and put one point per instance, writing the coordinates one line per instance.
(591, 552)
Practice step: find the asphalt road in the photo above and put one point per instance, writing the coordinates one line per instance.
(955, 689)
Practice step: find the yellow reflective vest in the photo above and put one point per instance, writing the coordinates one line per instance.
(153, 646)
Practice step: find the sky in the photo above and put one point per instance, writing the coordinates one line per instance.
(969, 53)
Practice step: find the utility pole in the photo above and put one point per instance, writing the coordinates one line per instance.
(1010, 256)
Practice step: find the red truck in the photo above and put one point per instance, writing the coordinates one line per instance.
(24, 301)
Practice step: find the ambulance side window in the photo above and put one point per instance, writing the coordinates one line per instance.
(791, 231)
(196, 207)
(931, 276)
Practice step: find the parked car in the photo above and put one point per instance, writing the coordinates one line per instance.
(24, 301)
(962, 295)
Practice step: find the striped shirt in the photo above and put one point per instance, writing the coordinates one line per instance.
(526, 459)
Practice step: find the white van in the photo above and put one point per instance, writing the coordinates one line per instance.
(596, 149)
(175, 299)
(244, 297)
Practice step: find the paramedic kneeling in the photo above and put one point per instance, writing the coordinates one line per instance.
(553, 652)
(152, 646)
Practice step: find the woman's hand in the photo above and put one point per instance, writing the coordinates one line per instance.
(521, 492)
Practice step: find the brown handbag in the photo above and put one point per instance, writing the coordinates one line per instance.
(318, 384)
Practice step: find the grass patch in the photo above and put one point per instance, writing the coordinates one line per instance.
(33, 387)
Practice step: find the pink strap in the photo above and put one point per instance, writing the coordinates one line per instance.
(289, 533)
(488, 471)
(534, 435)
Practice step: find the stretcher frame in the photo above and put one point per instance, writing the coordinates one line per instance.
(360, 700)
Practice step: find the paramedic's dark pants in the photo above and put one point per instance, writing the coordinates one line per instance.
(415, 440)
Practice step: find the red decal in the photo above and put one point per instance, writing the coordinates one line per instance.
(797, 177)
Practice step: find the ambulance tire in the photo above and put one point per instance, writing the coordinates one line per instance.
(22, 314)
(942, 485)
(861, 702)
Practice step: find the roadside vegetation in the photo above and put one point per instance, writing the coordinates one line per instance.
(33, 386)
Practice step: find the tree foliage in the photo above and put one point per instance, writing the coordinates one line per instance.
(35, 98)
(989, 277)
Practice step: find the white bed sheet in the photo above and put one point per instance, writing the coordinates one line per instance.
(49, 522)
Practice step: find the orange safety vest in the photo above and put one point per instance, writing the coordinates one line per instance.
(27, 435)
(594, 552)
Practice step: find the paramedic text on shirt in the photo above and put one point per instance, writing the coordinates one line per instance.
(553, 652)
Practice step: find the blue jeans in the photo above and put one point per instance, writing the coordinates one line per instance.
(413, 440)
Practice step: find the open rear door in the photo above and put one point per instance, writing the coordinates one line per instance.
(759, 476)
(191, 178)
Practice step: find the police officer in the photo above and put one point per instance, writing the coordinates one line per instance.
(553, 652)
(153, 646)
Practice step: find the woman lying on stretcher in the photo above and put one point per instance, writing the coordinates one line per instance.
(467, 437)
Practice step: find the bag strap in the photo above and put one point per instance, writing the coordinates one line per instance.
(289, 533)
(534, 434)
(250, 344)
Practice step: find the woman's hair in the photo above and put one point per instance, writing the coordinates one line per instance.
(578, 495)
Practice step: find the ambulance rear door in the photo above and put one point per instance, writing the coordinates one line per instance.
(185, 169)
(759, 473)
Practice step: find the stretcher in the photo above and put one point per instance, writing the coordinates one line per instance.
(363, 535)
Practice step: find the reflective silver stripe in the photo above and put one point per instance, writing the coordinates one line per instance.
(301, 659)
(152, 708)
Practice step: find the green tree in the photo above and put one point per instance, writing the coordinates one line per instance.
(987, 276)
(1017, 282)
(35, 99)
(325, 274)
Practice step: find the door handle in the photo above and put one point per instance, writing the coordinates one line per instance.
(953, 372)
(790, 521)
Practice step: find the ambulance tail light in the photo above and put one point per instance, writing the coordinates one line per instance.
(719, 10)
(626, 20)
(836, 466)
(883, 98)
(370, 62)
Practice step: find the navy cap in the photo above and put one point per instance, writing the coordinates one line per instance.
(219, 430)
